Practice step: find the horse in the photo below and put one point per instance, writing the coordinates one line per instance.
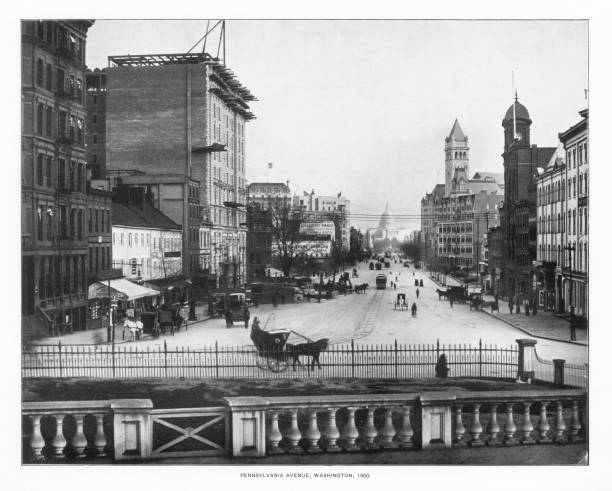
(442, 293)
(312, 349)
(361, 288)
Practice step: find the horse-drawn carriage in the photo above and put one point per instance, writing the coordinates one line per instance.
(400, 302)
(274, 353)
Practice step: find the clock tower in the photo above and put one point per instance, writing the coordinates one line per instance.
(516, 125)
(457, 155)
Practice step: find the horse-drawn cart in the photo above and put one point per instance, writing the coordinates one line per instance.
(274, 353)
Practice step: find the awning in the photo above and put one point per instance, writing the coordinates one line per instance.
(121, 288)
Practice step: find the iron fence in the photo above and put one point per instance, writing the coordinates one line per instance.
(351, 360)
(573, 374)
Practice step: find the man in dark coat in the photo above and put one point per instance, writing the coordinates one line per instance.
(414, 309)
(229, 321)
(417, 293)
(247, 316)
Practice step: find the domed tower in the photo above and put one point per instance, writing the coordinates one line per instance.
(457, 155)
(516, 124)
(385, 221)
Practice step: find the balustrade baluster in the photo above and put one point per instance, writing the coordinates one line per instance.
(406, 433)
(575, 426)
(331, 432)
(559, 435)
(369, 433)
(100, 438)
(458, 440)
(476, 427)
(509, 427)
(350, 432)
(493, 427)
(79, 441)
(37, 442)
(526, 425)
(273, 435)
(313, 435)
(293, 434)
(59, 442)
(543, 426)
(388, 430)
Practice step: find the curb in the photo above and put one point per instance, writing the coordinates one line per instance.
(534, 335)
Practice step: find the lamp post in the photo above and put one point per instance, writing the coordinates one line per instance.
(571, 249)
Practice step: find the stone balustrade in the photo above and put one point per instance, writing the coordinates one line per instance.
(60, 430)
(277, 425)
(85, 423)
(122, 429)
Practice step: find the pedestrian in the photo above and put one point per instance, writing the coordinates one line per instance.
(247, 316)
(518, 306)
(421, 283)
(255, 323)
(510, 305)
(396, 279)
(527, 307)
(451, 301)
(274, 300)
(394, 286)
(228, 318)
(414, 309)
(417, 292)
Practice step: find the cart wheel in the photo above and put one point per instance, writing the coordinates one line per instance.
(277, 366)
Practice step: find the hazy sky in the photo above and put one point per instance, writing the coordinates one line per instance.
(363, 107)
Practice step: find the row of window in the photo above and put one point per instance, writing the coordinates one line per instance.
(61, 276)
(577, 155)
(69, 126)
(551, 225)
(556, 191)
(69, 176)
(580, 255)
(58, 36)
(143, 239)
(100, 258)
(66, 86)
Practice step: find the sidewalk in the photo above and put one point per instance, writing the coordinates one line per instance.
(544, 325)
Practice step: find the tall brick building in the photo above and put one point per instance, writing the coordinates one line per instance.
(519, 220)
(53, 174)
(186, 114)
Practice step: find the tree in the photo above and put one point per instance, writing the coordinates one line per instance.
(285, 230)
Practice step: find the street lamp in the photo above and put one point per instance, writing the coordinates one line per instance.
(571, 249)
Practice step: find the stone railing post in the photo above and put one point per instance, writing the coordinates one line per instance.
(526, 356)
(436, 420)
(133, 428)
(559, 372)
(248, 426)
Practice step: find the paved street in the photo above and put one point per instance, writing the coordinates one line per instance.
(369, 318)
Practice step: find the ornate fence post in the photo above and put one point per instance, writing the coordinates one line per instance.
(331, 432)
(559, 372)
(405, 434)
(525, 361)
(274, 436)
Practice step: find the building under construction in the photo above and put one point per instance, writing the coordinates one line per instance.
(185, 114)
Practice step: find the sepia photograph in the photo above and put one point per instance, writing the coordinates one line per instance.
(295, 243)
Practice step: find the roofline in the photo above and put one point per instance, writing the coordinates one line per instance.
(573, 130)
(179, 229)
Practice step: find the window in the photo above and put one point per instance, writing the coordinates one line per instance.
(59, 82)
(94, 118)
(49, 122)
(49, 178)
(80, 225)
(94, 139)
(39, 222)
(129, 239)
(95, 100)
(39, 72)
(121, 238)
(39, 169)
(108, 226)
(49, 77)
(94, 158)
(39, 119)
